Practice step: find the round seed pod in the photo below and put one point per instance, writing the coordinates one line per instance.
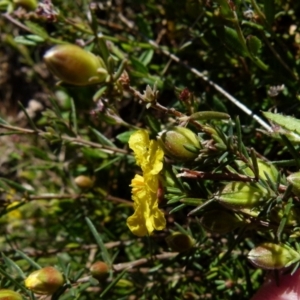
(74, 65)
(179, 143)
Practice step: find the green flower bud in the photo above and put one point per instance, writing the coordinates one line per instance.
(84, 182)
(263, 168)
(74, 65)
(294, 179)
(27, 4)
(9, 295)
(99, 270)
(45, 281)
(180, 242)
(179, 143)
(220, 221)
(270, 256)
(244, 197)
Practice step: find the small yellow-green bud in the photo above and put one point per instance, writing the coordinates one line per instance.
(84, 182)
(220, 221)
(179, 143)
(180, 242)
(45, 281)
(27, 4)
(294, 179)
(270, 256)
(9, 295)
(99, 270)
(74, 65)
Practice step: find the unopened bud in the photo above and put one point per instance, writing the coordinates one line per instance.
(179, 143)
(99, 270)
(180, 242)
(27, 4)
(294, 179)
(270, 256)
(84, 182)
(74, 65)
(241, 196)
(9, 295)
(220, 221)
(263, 169)
(45, 281)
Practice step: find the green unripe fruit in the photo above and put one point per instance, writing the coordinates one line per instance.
(9, 295)
(27, 4)
(45, 281)
(294, 179)
(263, 169)
(74, 65)
(99, 270)
(270, 256)
(180, 242)
(84, 182)
(179, 143)
(241, 196)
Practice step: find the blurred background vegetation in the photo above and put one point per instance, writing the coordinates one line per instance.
(53, 133)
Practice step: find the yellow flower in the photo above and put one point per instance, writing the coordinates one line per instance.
(147, 217)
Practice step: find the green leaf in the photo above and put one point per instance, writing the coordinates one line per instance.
(12, 265)
(113, 283)
(35, 38)
(254, 44)
(17, 186)
(73, 116)
(102, 139)
(153, 123)
(225, 9)
(146, 57)
(29, 260)
(286, 122)
(97, 236)
(209, 115)
(24, 41)
(108, 163)
(27, 116)
(192, 201)
(177, 208)
(124, 137)
(15, 282)
(139, 67)
(37, 29)
(232, 41)
(94, 153)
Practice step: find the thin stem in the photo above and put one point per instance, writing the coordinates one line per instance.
(160, 107)
(215, 176)
(28, 198)
(73, 140)
(142, 261)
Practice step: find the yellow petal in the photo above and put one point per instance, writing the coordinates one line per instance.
(138, 185)
(137, 225)
(139, 143)
(158, 219)
(156, 155)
